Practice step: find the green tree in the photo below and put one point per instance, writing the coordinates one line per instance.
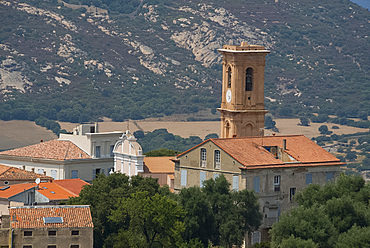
(326, 215)
(103, 194)
(234, 213)
(356, 237)
(304, 121)
(153, 221)
(161, 152)
(293, 242)
(199, 219)
(323, 129)
(211, 136)
(351, 156)
(269, 123)
(307, 224)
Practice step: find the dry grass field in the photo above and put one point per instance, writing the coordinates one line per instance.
(21, 133)
(202, 128)
(15, 134)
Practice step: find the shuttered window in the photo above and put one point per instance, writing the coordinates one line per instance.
(202, 178)
(308, 178)
(329, 176)
(184, 175)
(236, 183)
(256, 184)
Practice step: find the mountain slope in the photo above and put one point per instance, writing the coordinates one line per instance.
(137, 59)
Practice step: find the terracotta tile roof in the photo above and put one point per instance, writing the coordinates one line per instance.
(32, 216)
(53, 191)
(159, 165)
(54, 149)
(15, 189)
(73, 185)
(251, 152)
(11, 173)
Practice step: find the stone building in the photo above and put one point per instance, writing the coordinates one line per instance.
(47, 226)
(242, 105)
(275, 167)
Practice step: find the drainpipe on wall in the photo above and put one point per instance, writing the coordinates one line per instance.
(11, 237)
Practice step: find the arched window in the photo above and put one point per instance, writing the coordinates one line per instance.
(229, 77)
(227, 130)
(249, 79)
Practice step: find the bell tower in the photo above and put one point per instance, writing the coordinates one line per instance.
(243, 75)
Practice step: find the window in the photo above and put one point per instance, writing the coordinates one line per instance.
(111, 150)
(308, 178)
(277, 183)
(96, 172)
(75, 232)
(249, 79)
(27, 246)
(74, 174)
(217, 159)
(229, 77)
(52, 232)
(292, 193)
(92, 129)
(236, 183)
(27, 233)
(203, 157)
(75, 246)
(256, 237)
(52, 246)
(40, 171)
(256, 184)
(202, 178)
(184, 175)
(54, 174)
(97, 151)
(329, 176)
(215, 176)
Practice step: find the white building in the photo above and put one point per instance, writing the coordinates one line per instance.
(129, 160)
(82, 154)
(128, 155)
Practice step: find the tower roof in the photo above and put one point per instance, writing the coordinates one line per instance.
(244, 47)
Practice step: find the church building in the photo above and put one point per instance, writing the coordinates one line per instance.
(274, 167)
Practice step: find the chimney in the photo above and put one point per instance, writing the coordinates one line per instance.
(284, 144)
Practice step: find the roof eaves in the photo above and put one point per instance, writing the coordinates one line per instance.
(291, 165)
(24, 190)
(181, 154)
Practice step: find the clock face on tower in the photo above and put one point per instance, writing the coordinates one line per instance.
(228, 96)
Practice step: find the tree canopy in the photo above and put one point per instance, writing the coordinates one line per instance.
(137, 212)
(328, 216)
(218, 215)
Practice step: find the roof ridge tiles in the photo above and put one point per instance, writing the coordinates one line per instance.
(52, 206)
